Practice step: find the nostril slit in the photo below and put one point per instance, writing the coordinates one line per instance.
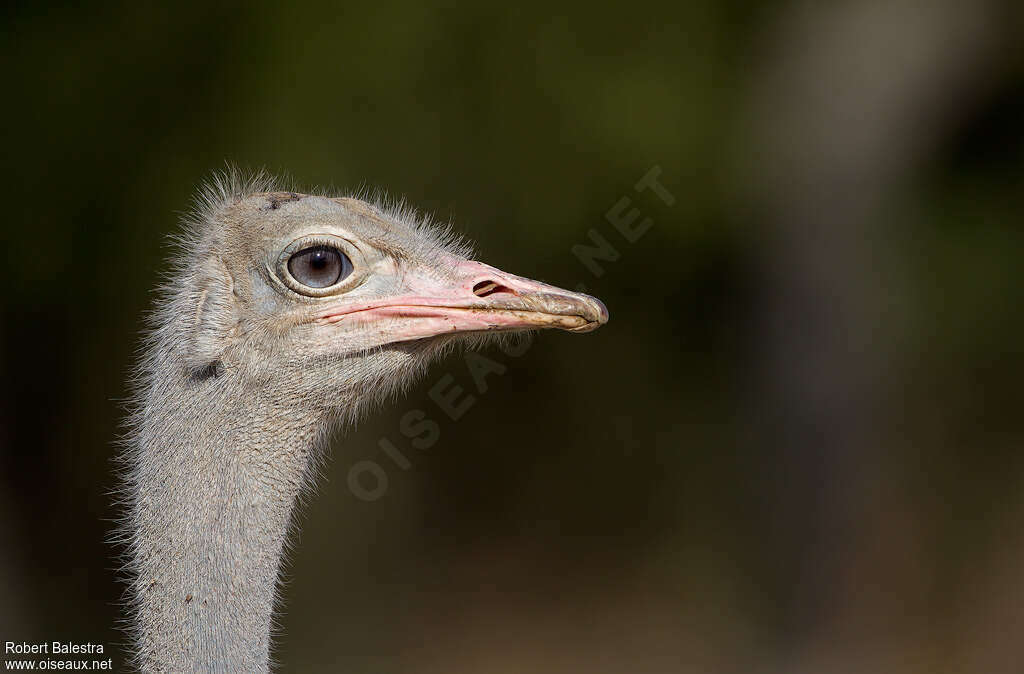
(489, 287)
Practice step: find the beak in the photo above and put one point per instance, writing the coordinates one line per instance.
(480, 298)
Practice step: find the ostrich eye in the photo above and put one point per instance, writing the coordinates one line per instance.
(319, 266)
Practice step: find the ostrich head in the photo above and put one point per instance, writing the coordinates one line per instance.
(284, 315)
(338, 302)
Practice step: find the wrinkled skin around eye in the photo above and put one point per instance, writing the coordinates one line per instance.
(319, 266)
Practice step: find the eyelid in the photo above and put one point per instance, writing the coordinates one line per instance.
(310, 240)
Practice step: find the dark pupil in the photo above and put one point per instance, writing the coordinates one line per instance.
(319, 266)
(319, 260)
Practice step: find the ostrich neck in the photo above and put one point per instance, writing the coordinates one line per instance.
(216, 482)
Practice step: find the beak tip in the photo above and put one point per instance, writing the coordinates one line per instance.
(595, 317)
(602, 311)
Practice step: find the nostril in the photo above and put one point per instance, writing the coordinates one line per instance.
(489, 287)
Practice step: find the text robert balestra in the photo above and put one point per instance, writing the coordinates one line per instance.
(52, 648)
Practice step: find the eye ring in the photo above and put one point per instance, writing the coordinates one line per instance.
(320, 265)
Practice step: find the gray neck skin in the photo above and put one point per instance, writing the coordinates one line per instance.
(216, 478)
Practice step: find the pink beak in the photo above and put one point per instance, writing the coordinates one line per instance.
(481, 299)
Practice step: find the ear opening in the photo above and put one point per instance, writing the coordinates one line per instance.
(208, 371)
(215, 320)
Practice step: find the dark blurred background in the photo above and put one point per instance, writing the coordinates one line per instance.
(795, 448)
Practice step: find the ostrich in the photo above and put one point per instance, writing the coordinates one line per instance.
(284, 317)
